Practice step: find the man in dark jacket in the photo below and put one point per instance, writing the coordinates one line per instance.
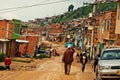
(96, 61)
(84, 61)
(68, 59)
(36, 51)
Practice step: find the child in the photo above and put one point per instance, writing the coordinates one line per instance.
(7, 63)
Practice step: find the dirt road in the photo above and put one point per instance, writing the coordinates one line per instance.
(51, 69)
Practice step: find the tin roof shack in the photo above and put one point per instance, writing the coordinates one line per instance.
(108, 27)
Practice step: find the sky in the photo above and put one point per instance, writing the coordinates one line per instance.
(25, 10)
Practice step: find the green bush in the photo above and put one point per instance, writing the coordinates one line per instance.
(2, 57)
(25, 61)
(43, 56)
(42, 48)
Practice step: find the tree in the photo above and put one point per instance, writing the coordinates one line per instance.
(70, 8)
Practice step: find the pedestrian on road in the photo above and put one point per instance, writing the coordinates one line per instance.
(68, 59)
(84, 60)
(55, 53)
(36, 51)
(51, 52)
(7, 62)
(96, 61)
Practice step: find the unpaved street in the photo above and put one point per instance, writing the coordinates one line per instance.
(51, 69)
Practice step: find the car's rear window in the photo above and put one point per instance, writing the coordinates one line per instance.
(110, 55)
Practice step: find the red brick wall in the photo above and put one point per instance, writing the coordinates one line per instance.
(112, 26)
(118, 40)
(33, 41)
(3, 28)
(22, 48)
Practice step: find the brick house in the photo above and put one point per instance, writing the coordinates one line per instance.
(5, 35)
(32, 38)
(9, 31)
(107, 27)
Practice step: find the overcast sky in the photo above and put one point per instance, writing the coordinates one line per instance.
(44, 8)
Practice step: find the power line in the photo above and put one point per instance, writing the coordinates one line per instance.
(5, 9)
(10, 10)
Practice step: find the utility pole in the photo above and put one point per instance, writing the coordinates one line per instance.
(92, 37)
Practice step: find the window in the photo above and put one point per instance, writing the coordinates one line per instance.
(111, 54)
(107, 27)
(16, 28)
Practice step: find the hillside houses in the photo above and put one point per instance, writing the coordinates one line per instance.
(54, 31)
(100, 30)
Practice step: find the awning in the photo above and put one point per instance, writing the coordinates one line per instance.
(22, 41)
(4, 40)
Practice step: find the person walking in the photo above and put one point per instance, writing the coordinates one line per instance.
(84, 60)
(36, 51)
(96, 61)
(68, 59)
(51, 52)
(55, 53)
(7, 62)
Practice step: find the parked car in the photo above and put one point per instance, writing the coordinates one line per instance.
(69, 44)
(109, 64)
(43, 51)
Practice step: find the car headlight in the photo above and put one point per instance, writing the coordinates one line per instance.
(104, 67)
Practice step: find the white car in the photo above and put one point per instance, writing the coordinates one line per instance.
(109, 64)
